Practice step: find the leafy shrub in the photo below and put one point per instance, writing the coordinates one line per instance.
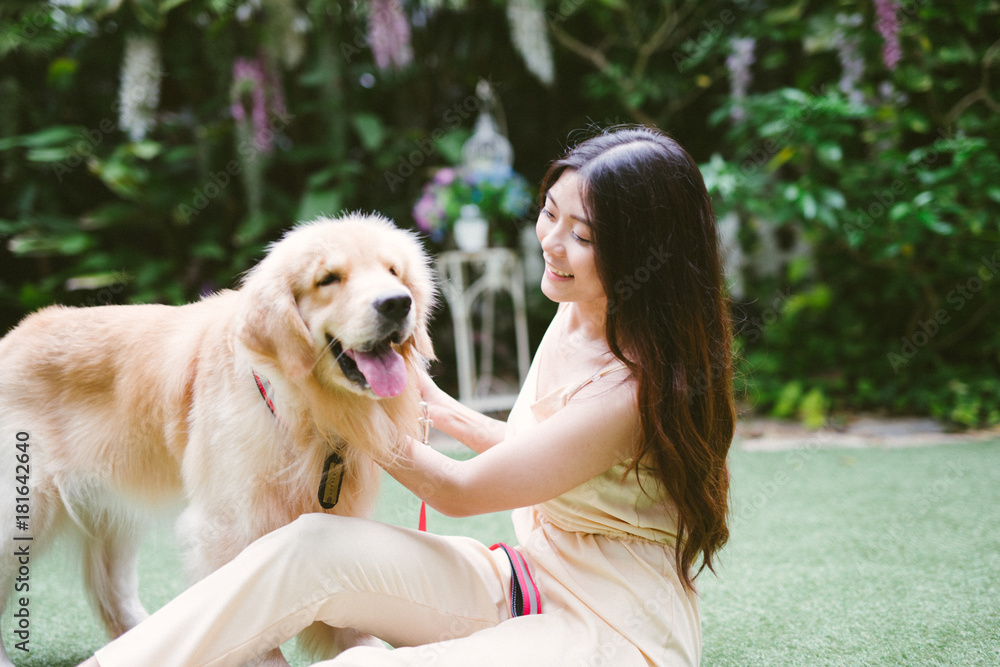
(894, 306)
(850, 147)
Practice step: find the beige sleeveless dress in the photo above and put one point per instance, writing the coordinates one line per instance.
(604, 551)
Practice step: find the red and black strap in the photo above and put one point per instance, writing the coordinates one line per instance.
(333, 469)
(524, 596)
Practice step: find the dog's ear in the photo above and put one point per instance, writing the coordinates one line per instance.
(270, 323)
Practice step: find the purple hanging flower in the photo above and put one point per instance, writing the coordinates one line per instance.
(245, 82)
(738, 63)
(389, 34)
(888, 25)
(256, 93)
(851, 61)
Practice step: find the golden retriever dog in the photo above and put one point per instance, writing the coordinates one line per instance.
(249, 405)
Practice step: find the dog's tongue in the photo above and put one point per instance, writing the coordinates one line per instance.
(385, 371)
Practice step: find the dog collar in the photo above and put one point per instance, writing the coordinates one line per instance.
(264, 387)
(333, 468)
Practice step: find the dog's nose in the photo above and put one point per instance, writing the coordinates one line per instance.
(394, 308)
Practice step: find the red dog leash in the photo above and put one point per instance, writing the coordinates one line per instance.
(524, 596)
(425, 425)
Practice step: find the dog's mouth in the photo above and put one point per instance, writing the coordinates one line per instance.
(378, 366)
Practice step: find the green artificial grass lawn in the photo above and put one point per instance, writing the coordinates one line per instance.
(836, 557)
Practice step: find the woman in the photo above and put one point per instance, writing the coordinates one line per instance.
(615, 453)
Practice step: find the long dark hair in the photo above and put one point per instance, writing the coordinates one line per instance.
(657, 256)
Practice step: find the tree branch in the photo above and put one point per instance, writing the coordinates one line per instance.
(980, 94)
(595, 56)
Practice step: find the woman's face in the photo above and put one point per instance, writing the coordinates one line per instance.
(567, 245)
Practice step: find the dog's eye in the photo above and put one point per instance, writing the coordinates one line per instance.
(328, 279)
(392, 270)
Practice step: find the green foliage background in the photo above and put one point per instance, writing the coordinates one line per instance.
(896, 188)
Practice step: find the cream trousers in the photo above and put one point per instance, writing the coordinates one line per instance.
(442, 600)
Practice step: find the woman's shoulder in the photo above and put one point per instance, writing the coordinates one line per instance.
(612, 381)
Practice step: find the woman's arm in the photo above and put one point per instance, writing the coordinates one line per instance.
(473, 429)
(579, 442)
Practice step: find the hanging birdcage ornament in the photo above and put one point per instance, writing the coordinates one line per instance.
(487, 153)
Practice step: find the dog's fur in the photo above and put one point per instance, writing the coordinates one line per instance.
(128, 406)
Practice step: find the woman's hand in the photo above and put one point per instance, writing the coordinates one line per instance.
(577, 443)
(473, 429)
(435, 398)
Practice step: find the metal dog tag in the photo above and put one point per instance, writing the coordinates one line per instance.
(329, 483)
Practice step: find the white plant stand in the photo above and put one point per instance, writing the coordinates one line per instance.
(469, 277)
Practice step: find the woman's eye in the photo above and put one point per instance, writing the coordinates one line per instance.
(328, 279)
(580, 239)
(548, 214)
